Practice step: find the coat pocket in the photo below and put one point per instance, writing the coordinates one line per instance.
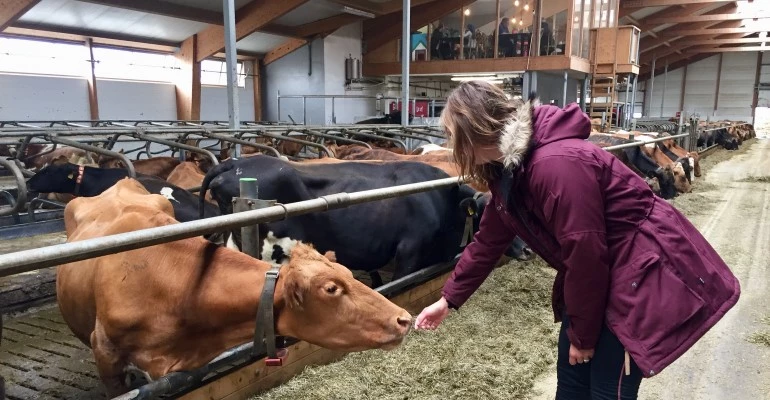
(651, 301)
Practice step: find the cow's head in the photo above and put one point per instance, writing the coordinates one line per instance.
(474, 207)
(665, 177)
(320, 302)
(55, 178)
(681, 183)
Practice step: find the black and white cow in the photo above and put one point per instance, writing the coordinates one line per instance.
(414, 231)
(64, 178)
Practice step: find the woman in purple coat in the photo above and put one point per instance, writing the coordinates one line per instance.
(636, 285)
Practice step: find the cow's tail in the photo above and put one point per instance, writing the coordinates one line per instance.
(213, 173)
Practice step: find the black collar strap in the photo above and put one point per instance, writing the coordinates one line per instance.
(264, 334)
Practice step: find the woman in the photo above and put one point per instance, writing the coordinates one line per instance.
(503, 28)
(634, 277)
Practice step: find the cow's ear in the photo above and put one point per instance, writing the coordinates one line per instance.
(469, 207)
(331, 256)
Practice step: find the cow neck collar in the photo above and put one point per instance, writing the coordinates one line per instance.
(79, 179)
(264, 334)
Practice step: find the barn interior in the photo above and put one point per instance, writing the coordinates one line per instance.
(126, 84)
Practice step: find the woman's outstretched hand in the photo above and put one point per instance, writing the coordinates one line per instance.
(432, 315)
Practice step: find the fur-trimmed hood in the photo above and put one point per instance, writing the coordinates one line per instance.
(534, 125)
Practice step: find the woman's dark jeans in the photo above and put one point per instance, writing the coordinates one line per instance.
(602, 378)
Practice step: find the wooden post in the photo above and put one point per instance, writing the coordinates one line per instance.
(257, 80)
(570, 24)
(719, 80)
(188, 82)
(497, 28)
(534, 41)
(755, 101)
(462, 33)
(93, 98)
(684, 88)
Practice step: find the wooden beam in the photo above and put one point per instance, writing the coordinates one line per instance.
(722, 31)
(188, 83)
(241, 56)
(381, 30)
(257, 80)
(93, 97)
(664, 35)
(11, 10)
(363, 5)
(646, 26)
(325, 25)
(727, 49)
(81, 36)
(727, 41)
(658, 3)
(680, 45)
(711, 18)
(284, 49)
(86, 33)
(165, 9)
(687, 59)
(249, 19)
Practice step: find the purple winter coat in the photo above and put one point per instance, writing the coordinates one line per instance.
(624, 256)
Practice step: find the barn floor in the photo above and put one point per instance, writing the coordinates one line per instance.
(19, 292)
(734, 215)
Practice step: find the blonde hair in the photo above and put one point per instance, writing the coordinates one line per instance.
(474, 116)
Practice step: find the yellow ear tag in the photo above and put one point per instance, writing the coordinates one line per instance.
(70, 176)
(470, 211)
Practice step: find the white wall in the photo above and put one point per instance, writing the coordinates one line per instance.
(293, 75)
(136, 100)
(736, 92)
(764, 78)
(27, 98)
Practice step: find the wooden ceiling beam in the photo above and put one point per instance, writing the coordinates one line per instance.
(283, 50)
(699, 50)
(687, 60)
(363, 5)
(634, 4)
(647, 58)
(727, 41)
(165, 9)
(59, 33)
(249, 19)
(710, 18)
(11, 10)
(325, 25)
(647, 43)
(720, 31)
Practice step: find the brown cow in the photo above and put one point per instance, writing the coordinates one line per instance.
(187, 175)
(156, 166)
(441, 160)
(680, 152)
(176, 306)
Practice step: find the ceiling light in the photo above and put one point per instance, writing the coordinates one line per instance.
(526, 7)
(467, 12)
(513, 20)
(516, 3)
(477, 78)
(521, 22)
(355, 11)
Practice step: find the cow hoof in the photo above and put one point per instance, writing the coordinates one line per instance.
(526, 254)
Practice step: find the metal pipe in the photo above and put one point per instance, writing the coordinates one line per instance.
(422, 132)
(241, 142)
(652, 84)
(640, 143)
(233, 108)
(628, 97)
(30, 260)
(564, 94)
(126, 161)
(633, 98)
(375, 137)
(182, 146)
(665, 82)
(21, 183)
(337, 138)
(295, 140)
(248, 192)
(406, 48)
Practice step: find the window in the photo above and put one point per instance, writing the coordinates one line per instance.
(43, 58)
(214, 72)
(135, 65)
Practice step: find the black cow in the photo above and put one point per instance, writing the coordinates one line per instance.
(717, 136)
(63, 179)
(415, 231)
(637, 161)
(394, 118)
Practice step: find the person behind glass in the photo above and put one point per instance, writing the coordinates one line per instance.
(435, 41)
(469, 40)
(636, 284)
(504, 26)
(546, 39)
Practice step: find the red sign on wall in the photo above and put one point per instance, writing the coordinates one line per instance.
(422, 108)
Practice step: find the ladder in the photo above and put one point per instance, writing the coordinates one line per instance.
(604, 83)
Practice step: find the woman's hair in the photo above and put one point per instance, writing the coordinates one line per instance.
(474, 116)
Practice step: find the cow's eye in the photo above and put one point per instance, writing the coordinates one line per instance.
(331, 289)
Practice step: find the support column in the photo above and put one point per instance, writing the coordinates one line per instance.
(564, 90)
(583, 92)
(719, 81)
(257, 81)
(405, 60)
(663, 95)
(684, 88)
(651, 87)
(188, 83)
(233, 109)
(93, 98)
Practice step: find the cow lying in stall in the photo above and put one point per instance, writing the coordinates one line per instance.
(178, 305)
(415, 231)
